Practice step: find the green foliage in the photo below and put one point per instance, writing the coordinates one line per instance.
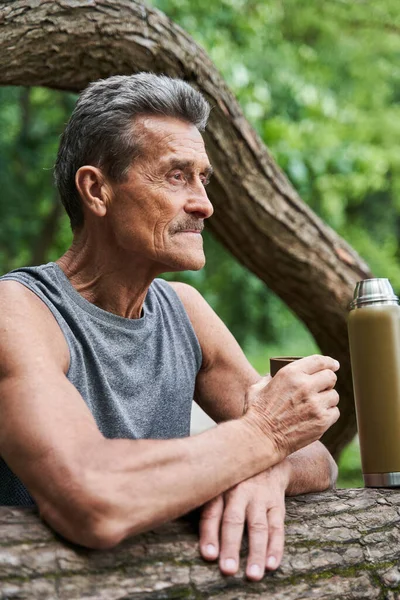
(31, 121)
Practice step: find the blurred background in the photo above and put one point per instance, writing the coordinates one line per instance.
(320, 82)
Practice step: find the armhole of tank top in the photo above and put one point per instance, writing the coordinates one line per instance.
(182, 310)
(48, 304)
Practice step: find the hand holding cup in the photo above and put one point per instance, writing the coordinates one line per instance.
(298, 405)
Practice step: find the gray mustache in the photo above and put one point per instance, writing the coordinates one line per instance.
(185, 226)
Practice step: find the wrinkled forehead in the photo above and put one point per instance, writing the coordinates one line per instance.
(164, 138)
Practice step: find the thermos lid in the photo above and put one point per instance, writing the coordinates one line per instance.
(373, 291)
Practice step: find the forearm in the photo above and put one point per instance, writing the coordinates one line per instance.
(311, 469)
(138, 484)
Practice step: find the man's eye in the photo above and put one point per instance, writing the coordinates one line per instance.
(205, 181)
(177, 176)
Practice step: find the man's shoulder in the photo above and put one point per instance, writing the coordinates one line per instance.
(14, 293)
(184, 289)
(191, 299)
(27, 323)
(18, 296)
(204, 320)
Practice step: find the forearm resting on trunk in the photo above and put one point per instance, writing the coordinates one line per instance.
(312, 469)
(130, 486)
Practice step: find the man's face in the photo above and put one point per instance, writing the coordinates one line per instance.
(158, 212)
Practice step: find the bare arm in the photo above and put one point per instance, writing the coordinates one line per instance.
(227, 386)
(97, 491)
(311, 469)
(93, 490)
(223, 387)
(226, 374)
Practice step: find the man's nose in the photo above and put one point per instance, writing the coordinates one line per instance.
(198, 202)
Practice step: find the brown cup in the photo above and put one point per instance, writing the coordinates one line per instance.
(278, 362)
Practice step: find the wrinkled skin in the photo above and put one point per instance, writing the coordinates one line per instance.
(259, 502)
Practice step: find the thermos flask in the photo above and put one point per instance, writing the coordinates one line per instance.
(374, 335)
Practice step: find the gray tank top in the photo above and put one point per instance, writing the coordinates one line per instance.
(137, 376)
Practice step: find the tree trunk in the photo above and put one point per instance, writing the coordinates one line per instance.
(339, 544)
(258, 216)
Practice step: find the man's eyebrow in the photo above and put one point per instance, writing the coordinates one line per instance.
(177, 163)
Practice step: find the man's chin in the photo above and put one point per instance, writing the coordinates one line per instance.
(187, 263)
(192, 265)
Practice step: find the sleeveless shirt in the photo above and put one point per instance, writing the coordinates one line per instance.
(137, 376)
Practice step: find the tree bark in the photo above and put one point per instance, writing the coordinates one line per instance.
(339, 544)
(258, 216)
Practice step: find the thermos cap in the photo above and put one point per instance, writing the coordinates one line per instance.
(373, 291)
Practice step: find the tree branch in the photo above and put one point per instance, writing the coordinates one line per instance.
(339, 544)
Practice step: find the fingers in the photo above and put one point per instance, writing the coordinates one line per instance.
(313, 364)
(210, 522)
(323, 380)
(329, 398)
(276, 540)
(231, 537)
(334, 415)
(257, 529)
(265, 534)
(266, 537)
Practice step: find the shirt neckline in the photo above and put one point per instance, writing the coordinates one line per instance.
(99, 313)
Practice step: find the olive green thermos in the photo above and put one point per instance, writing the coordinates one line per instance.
(374, 335)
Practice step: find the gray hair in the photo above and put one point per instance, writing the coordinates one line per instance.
(100, 131)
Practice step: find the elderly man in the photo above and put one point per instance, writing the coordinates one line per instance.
(100, 360)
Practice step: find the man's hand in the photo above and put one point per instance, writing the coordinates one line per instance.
(297, 406)
(258, 502)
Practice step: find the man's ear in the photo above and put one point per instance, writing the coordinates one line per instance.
(93, 189)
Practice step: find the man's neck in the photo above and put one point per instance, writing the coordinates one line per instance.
(113, 282)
